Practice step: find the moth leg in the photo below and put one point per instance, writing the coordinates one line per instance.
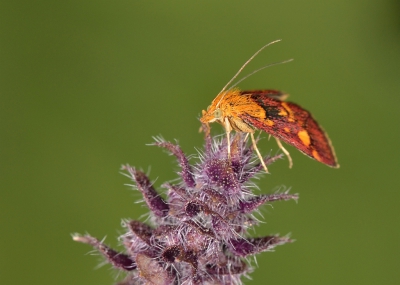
(228, 129)
(258, 152)
(285, 152)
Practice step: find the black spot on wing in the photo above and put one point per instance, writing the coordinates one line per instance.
(271, 112)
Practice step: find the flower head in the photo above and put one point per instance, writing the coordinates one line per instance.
(199, 233)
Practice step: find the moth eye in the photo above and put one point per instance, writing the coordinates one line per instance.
(217, 114)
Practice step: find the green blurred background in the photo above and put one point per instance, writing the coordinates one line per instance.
(84, 86)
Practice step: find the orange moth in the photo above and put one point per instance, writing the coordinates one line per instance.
(266, 110)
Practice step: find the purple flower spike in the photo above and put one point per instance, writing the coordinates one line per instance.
(156, 204)
(199, 233)
(186, 173)
(245, 247)
(119, 260)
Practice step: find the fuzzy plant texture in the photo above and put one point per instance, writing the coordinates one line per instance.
(199, 234)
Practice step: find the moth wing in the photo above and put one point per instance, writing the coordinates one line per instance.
(272, 93)
(292, 124)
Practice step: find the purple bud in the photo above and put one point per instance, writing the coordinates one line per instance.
(200, 233)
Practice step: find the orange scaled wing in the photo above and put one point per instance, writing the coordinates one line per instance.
(290, 123)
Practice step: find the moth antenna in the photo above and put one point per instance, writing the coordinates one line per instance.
(247, 62)
(257, 70)
(243, 66)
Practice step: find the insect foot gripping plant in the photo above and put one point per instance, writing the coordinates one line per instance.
(199, 233)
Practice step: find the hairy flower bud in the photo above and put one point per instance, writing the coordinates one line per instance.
(199, 233)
